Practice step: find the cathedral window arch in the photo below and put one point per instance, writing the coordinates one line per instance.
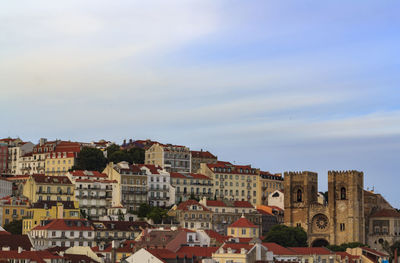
(299, 195)
(343, 193)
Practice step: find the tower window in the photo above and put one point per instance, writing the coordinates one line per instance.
(299, 196)
(343, 193)
(342, 227)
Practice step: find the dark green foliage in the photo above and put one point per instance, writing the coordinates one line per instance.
(90, 159)
(157, 214)
(134, 155)
(287, 236)
(14, 227)
(344, 246)
(120, 215)
(193, 197)
(112, 148)
(391, 248)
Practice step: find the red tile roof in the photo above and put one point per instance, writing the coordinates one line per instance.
(264, 212)
(386, 213)
(351, 258)
(66, 224)
(243, 204)
(234, 169)
(199, 176)
(236, 247)
(202, 154)
(216, 203)
(177, 175)
(84, 173)
(204, 252)
(37, 256)
(278, 249)
(215, 235)
(243, 222)
(185, 205)
(189, 176)
(311, 250)
(15, 241)
(43, 179)
(373, 251)
(153, 168)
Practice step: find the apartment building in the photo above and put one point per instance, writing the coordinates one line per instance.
(160, 192)
(243, 228)
(94, 192)
(226, 212)
(195, 185)
(267, 183)
(201, 156)
(3, 158)
(40, 187)
(15, 152)
(62, 233)
(132, 181)
(192, 215)
(46, 210)
(6, 187)
(173, 158)
(232, 182)
(12, 208)
(36, 163)
(62, 159)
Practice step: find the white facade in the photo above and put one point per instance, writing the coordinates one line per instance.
(15, 157)
(142, 256)
(276, 198)
(5, 188)
(159, 187)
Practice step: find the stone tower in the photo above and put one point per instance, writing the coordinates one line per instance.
(346, 205)
(339, 221)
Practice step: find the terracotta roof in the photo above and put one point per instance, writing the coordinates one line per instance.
(162, 253)
(37, 256)
(127, 246)
(218, 237)
(243, 204)
(311, 250)
(177, 175)
(386, 213)
(204, 252)
(202, 154)
(234, 169)
(373, 251)
(15, 241)
(278, 249)
(153, 168)
(73, 258)
(243, 222)
(199, 176)
(351, 258)
(189, 176)
(185, 205)
(43, 179)
(216, 203)
(264, 212)
(96, 181)
(66, 224)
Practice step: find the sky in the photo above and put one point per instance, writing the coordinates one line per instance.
(281, 85)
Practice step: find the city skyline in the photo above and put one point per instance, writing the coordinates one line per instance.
(307, 86)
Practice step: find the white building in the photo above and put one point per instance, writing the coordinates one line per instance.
(276, 198)
(159, 187)
(5, 187)
(95, 192)
(15, 154)
(63, 233)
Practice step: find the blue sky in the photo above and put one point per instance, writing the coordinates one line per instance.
(299, 85)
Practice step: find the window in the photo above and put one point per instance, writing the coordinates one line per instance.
(7, 211)
(232, 231)
(342, 227)
(299, 196)
(244, 231)
(343, 193)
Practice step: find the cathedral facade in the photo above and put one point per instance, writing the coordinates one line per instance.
(339, 220)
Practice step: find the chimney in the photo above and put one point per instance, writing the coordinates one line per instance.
(20, 250)
(5, 248)
(130, 141)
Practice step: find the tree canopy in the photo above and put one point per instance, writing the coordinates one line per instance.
(157, 214)
(133, 155)
(90, 159)
(14, 227)
(287, 236)
(344, 246)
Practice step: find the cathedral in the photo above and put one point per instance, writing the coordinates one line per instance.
(339, 220)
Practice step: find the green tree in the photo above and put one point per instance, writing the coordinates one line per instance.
(344, 246)
(193, 197)
(157, 214)
(136, 155)
(119, 156)
(144, 210)
(287, 236)
(91, 159)
(120, 215)
(112, 148)
(14, 227)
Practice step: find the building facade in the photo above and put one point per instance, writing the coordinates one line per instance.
(232, 182)
(173, 158)
(384, 228)
(160, 192)
(192, 215)
(201, 156)
(94, 192)
(12, 208)
(40, 187)
(3, 158)
(267, 183)
(15, 153)
(191, 185)
(132, 181)
(46, 210)
(340, 221)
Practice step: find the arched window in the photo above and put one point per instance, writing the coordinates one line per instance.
(299, 196)
(343, 193)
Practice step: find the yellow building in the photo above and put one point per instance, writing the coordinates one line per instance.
(232, 182)
(243, 228)
(12, 208)
(266, 184)
(62, 159)
(40, 187)
(250, 252)
(46, 210)
(173, 158)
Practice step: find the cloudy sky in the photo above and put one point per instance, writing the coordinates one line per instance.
(310, 85)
